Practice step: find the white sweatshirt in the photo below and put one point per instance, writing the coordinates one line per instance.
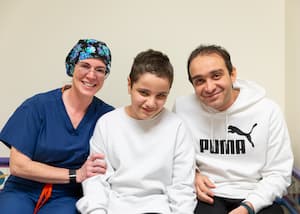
(150, 166)
(244, 150)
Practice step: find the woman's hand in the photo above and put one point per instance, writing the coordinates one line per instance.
(94, 165)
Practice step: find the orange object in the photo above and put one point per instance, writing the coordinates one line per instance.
(44, 196)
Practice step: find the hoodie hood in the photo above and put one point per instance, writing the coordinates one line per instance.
(219, 121)
(215, 124)
(250, 93)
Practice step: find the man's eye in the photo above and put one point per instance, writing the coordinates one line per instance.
(217, 76)
(198, 81)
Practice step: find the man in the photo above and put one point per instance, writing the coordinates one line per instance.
(244, 158)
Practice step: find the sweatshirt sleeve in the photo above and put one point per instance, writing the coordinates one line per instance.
(96, 189)
(182, 197)
(276, 174)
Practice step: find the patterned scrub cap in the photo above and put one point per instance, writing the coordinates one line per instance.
(85, 49)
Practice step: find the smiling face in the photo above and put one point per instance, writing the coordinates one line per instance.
(88, 77)
(148, 96)
(212, 82)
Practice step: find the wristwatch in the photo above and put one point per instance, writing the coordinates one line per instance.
(248, 208)
(72, 176)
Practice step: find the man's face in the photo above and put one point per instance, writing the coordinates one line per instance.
(212, 82)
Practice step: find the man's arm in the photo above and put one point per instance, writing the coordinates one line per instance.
(276, 174)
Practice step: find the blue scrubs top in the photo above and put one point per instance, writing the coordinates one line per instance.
(42, 130)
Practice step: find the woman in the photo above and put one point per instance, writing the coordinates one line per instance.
(148, 151)
(48, 137)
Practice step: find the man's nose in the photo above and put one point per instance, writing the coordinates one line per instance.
(209, 85)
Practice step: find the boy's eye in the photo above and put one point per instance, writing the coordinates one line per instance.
(162, 96)
(143, 93)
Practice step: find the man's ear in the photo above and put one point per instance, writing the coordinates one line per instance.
(233, 74)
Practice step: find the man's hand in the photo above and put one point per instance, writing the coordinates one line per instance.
(203, 188)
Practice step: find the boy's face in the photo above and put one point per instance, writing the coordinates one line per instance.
(148, 96)
(212, 81)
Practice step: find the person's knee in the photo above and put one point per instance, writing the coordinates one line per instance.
(15, 203)
(216, 208)
(273, 209)
(61, 205)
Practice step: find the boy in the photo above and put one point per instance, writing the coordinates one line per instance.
(147, 148)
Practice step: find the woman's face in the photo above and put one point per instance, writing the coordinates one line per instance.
(88, 76)
(148, 96)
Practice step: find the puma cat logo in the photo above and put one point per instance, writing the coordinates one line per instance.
(233, 129)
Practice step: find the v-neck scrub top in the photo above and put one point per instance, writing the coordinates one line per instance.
(42, 130)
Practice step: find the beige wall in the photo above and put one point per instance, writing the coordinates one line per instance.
(35, 36)
(292, 97)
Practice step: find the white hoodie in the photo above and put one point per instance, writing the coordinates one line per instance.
(244, 150)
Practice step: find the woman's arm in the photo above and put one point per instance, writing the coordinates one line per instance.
(22, 166)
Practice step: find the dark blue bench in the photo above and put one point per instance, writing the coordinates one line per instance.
(4, 163)
(292, 199)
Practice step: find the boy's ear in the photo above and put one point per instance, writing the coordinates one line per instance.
(128, 85)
